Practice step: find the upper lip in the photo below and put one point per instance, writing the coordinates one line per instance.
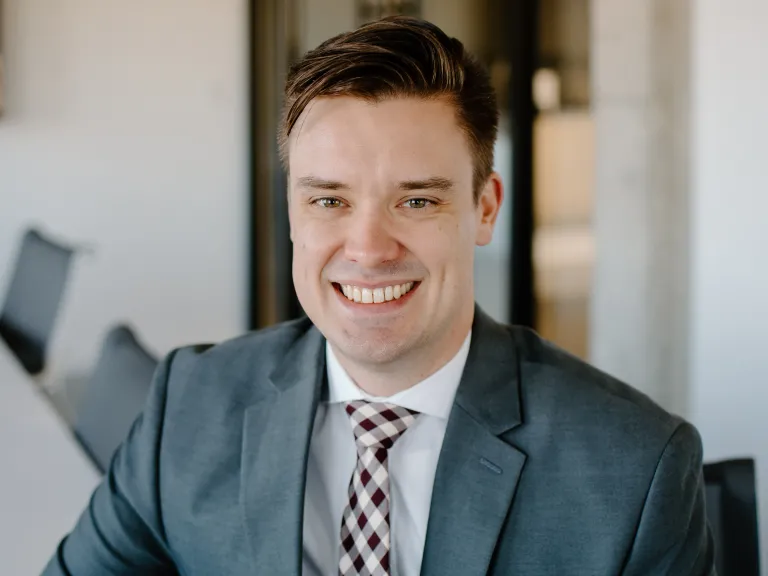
(373, 285)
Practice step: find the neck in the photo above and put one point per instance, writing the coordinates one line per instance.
(387, 379)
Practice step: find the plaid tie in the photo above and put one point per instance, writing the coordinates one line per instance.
(365, 541)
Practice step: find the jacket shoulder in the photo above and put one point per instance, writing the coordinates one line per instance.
(267, 339)
(247, 358)
(580, 397)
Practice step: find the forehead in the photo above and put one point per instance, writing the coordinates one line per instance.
(344, 137)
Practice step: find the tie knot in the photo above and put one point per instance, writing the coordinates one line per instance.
(378, 424)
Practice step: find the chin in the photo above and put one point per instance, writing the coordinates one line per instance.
(373, 352)
(372, 346)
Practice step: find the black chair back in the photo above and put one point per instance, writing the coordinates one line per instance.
(732, 514)
(114, 395)
(33, 299)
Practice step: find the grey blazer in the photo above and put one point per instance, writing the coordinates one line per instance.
(548, 467)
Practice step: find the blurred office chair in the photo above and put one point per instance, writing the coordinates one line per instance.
(33, 298)
(732, 515)
(114, 394)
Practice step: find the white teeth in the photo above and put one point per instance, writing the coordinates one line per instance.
(376, 295)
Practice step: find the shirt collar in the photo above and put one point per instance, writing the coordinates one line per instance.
(433, 396)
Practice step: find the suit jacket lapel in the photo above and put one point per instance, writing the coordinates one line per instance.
(276, 435)
(478, 472)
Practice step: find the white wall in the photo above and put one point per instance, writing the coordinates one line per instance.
(729, 281)
(126, 128)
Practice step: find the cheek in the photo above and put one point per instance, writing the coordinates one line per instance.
(460, 236)
(445, 251)
(459, 249)
(313, 247)
(306, 269)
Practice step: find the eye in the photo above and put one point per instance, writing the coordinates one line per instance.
(418, 203)
(328, 202)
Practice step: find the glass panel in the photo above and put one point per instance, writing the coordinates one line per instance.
(479, 25)
(563, 154)
(368, 10)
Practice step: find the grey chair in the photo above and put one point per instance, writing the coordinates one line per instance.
(732, 515)
(33, 298)
(114, 395)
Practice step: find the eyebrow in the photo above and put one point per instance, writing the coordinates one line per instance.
(320, 183)
(433, 183)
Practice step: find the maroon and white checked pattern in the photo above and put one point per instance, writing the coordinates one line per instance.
(365, 540)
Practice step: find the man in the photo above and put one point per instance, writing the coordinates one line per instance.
(398, 430)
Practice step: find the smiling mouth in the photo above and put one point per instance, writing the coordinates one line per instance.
(379, 295)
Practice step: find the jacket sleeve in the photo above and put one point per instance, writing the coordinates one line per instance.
(121, 530)
(673, 537)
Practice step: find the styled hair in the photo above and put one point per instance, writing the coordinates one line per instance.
(398, 57)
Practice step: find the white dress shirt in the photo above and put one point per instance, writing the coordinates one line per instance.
(412, 465)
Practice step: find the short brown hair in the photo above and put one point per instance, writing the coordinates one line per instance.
(398, 57)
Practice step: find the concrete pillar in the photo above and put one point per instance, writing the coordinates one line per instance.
(640, 88)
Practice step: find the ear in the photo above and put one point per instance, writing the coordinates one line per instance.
(488, 206)
(290, 207)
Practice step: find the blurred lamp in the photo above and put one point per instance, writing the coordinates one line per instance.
(546, 89)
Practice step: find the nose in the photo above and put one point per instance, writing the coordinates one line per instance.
(369, 240)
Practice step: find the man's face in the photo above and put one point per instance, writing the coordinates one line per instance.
(384, 225)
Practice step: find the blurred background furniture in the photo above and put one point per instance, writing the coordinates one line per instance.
(114, 395)
(732, 514)
(45, 477)
(33, 298)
